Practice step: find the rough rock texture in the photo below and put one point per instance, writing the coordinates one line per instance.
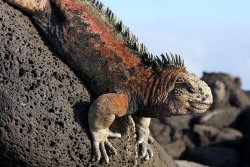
(188, 164)
(44, 106)
(226, 90)
(209, 135)
(214, 156)
(244, 127)
(248, 93)
(221, 118)
(170, 133)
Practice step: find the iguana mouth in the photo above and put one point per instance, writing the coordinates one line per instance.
(199, 107)
(202, 103)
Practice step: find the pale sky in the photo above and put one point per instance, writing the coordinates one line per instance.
(210, 35)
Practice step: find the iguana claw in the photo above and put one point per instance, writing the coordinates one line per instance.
(101, 145)
(144, 139)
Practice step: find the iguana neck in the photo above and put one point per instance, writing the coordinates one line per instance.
(153, 95)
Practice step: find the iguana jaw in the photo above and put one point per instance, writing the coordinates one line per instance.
(199, 107)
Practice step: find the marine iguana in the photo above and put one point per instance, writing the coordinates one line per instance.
(126, 77)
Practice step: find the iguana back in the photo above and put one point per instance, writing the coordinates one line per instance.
(94, 43)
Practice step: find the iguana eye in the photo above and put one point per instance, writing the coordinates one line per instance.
(190, 89)
(179, 80)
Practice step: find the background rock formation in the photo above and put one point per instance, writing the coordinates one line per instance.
(226, 90)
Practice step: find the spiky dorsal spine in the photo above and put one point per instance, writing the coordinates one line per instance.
(165, 61)
(132, 41)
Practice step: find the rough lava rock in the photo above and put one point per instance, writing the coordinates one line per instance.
(182, 163)
(244, 127)
(210, 135)
(226, 90)
(248, 93)
(221, 117)
(169, 132)
(214, 156)
(44, 106)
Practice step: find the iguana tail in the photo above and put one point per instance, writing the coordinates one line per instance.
(29, 6)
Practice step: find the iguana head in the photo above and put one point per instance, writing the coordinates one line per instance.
(189, 95)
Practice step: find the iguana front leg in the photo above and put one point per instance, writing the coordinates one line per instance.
(102, 113)
(143, 137)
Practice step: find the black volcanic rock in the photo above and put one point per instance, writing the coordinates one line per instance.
(248, 93)
(182, 163)
(226, 90)
(169, 133)
(214, 156)
(244, 127)
(221, 118)
(210, 135)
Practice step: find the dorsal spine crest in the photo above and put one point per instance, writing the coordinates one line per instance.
(150, 60)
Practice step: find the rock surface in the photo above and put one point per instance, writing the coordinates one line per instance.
(169, 132)
(210, 135)
(222, 117)
(188, 164)
(244, 127)
(248, 93)
(44, 106)
(226, 90)
(214, 156)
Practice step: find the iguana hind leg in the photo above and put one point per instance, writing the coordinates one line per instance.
(29, 6)
(143, 137)
(102, 113)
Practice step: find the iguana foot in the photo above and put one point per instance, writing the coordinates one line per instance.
(101, 144)
(143, 137)
(144, 140)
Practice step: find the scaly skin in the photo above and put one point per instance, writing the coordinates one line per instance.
(110, 60)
